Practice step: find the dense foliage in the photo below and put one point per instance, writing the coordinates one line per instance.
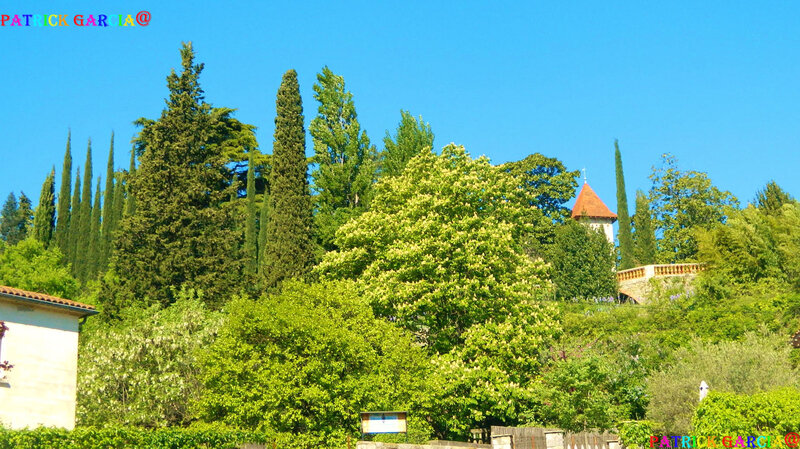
(775, 413)
(437, 251)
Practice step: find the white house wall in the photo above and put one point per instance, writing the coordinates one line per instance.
(42, 344)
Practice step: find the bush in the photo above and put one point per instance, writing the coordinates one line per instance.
(756, 364)
(135, 438)
(775, 412)
(636, 434)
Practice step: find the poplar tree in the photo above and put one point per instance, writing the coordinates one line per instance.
(644, 238)
(624, 233)
(108, 210)
(346, 160)
(412, 137)
(289, 248)
(94, 253)
(250, 235)
(62, 223)
(45, 218)
(84, 230)
(182, 232)
(73, 233)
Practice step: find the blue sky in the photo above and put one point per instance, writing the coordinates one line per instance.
(714, 83)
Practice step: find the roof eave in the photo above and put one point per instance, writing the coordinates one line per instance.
(80, 311)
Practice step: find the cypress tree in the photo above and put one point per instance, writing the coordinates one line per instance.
(250, 237)
(108, 209)
(624, 233)
(644, 237)
(289, 249)
(45, 218)
(94, 252)
(84, 236)
(25, 213)
(73, 233)
(62, 224)
(262, 233)
(130, 202)
(119, 207)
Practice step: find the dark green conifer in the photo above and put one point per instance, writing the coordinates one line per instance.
(45, 218)
(623, 217)
(130, 202)
(94, 252)
(73, 232)
(120, 189)
(644, 238)
(63, 219)
(108, 210)
(289, 249)
(262, 233)
(82, 255)
(182, 232)
(9, 220)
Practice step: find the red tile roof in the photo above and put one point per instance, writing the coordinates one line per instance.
(589, 204)
(22, 294)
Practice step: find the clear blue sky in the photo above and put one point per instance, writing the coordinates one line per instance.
(715, 83)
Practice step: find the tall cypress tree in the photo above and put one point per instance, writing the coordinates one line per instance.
(108, 209)
(45, 218)
(347, 161)
(644, 238)
(94, 252)
(262, 233)
(119, 206)
(73, 233)
(250, 236)
(82, 248)
(289, 249)
(624, 233)
(62, 225)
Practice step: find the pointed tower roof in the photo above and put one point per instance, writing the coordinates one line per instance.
(591, 205)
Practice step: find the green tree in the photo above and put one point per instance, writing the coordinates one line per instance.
(644, 239)
(438, 252)
(289, 244)
(109, 222)
(263, 218)
(83, 237)
(771, 198)
(624, 234)
(62, 225)
(30, 266)
(346, 161)
(412, 137)
(142, 370)
(582, 263)
(95, 247)
(550, 186)
(45, 217)
(493, 377)
(73, 232)
(182, 231)
(9, 220)
(308, 360)
(250, 236)
(130, 200)
(682, 203)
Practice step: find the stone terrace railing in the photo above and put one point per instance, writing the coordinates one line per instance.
(648, 271)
